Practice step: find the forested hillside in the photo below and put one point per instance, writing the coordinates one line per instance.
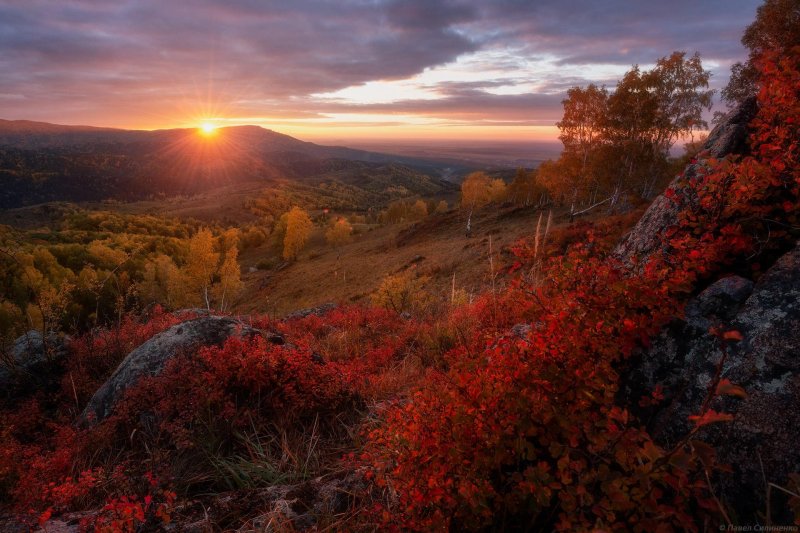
(45, 162)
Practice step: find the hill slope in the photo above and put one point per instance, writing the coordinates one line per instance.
(42, 162)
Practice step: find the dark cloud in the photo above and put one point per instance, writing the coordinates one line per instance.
(141, 61)
(620, 31)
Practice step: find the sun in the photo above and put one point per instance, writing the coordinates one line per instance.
(208, 129)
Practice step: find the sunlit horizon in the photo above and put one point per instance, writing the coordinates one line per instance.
(384, 71)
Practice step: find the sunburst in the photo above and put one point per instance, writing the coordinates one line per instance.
(207, 129)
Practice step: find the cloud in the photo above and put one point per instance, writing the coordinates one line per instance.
(154, 63)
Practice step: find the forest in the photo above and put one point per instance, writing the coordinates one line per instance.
(520, 392)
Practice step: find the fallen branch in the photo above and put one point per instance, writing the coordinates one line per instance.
(591, 207)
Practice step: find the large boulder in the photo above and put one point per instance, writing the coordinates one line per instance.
(30, 362)
(728, 137)
(761, 442)
(150, 358)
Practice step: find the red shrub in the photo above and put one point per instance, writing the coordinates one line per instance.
(527, 431)
(96, 355)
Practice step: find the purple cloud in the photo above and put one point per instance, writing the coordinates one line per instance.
(139, 62)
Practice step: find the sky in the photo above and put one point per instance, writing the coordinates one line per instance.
(344, 69)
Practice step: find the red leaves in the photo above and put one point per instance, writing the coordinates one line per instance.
(45, 516)
(129, 513)
(710, 417)
(726, 335)
(732, 335)
(549, 400)
(726, 388)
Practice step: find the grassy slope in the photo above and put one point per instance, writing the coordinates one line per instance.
(354, 271)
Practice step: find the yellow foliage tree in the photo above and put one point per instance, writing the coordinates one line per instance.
(201, 264)
(104, 256)
(229, 238)
(162, 282)
(339, 233)
(419, 210)
(498, 191)
(10, 327)
(298, 230)
(230, 283)
(403, 292)
(475, 190)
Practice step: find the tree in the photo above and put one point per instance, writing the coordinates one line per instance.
(561, 179)
(681, 90)
(776, 27)
(475, 190)
(230, 283)
(161, 282)
(201, 265)
(298, 230)
(403, 292)
(339, 233)
(229, 238)
(581, 127)
(278, 235)
(521, 188)
(10, 328)
(621, 141)
(419, 210)
(442, 207)
(498, 191)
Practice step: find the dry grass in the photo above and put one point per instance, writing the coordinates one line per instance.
(437, 247)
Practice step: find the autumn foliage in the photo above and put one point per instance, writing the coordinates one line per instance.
(471, 420)
(526, 429)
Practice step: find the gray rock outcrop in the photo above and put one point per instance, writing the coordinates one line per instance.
(315, 311)
(28, 356)
(150, 358)
(729, 137)
(761, 442)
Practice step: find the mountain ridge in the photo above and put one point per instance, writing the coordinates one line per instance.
(41, 162)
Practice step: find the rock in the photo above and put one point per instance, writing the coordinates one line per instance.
(316, 311)
(65, 523)
(191, 313)
(32, 361)
(521, 331)
(729, 137)
(276, 338)
(719, 302)
(150, 358)
(766, 363)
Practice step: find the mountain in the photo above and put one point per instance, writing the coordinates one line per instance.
(42, 162)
